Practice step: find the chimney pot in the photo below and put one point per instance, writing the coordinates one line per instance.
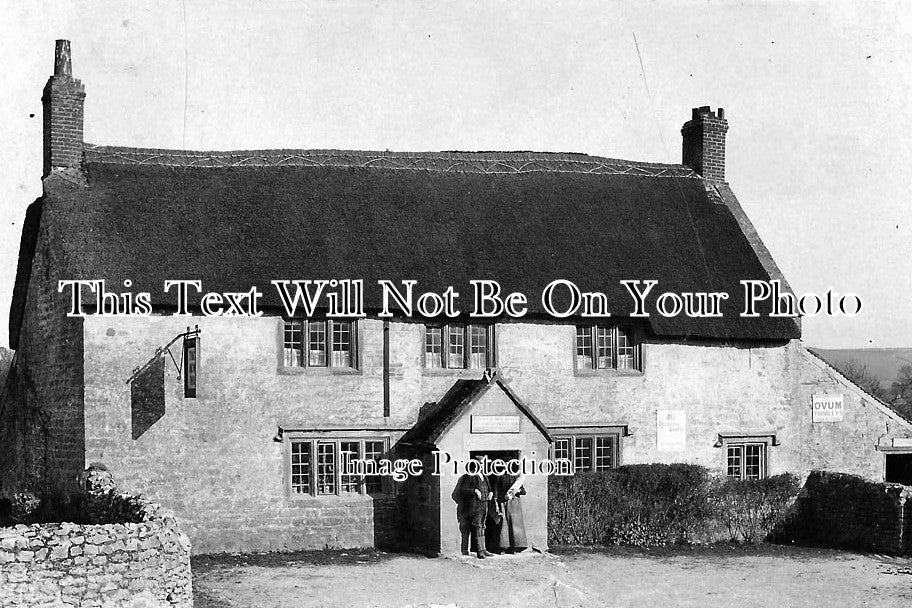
(63, 64)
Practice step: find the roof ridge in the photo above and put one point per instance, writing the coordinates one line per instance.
(492, 162)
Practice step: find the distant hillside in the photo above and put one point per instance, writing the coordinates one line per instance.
(876, 370)
(883, 363)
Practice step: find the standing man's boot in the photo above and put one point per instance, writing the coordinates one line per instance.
(482, 551)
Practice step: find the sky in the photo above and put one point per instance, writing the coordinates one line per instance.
(817, 96)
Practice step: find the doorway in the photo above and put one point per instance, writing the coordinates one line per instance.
(492, 532)
(899, 468)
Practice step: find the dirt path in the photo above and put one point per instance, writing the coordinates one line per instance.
(769, 576)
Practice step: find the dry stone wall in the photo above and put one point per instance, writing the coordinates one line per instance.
(145, 563)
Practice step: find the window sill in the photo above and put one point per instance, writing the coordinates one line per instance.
(611, 373)
(592, 472)
(473, 372)
(318, 371)
(309, 500)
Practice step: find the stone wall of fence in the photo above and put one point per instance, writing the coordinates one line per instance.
(135, 556)
(849, 512)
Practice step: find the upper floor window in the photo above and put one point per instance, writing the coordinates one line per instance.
(320, 343)
(458, 346)
(607, 347)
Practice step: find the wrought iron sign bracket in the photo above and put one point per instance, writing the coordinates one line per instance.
(159, 352)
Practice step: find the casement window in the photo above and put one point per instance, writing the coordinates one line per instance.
(607, 347)
(319, 344)
(588, 452)
(746, 456)
(319, 466)
(458, 346)
(745, 460)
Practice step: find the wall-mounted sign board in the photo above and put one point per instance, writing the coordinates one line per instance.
(826, 407)
(671, 430)
(495, 424)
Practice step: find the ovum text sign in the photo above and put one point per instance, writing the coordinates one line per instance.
(495, 424)
(826, 408)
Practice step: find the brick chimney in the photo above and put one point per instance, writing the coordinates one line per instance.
(704, 143)
(63, 101)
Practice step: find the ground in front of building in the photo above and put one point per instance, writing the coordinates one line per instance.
(721, 576)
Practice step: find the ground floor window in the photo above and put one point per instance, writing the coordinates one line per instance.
(746, 456)
(319, 466)
(745, 460)
(588, 451)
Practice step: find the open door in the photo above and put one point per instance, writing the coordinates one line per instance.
(899, 468)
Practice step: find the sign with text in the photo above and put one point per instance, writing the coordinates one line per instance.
(495, 424)
(826, 408)
(671, 430)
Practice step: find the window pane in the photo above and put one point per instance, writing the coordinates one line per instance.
(625, 349)
(605, 338)
(561, 449)
(753, 461)
(433, 347)
(326, 467)
(341, 344)
(348, 451)
(373, 450)
(604, 453)
(584, 348)
(733, 461)
(478, 347)
(316, 340)
(301, 458)
(582, 454)
(292, 343)
(455, 346)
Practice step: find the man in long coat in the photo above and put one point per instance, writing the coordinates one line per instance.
(473, 492)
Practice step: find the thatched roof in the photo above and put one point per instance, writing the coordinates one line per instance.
(523, 219)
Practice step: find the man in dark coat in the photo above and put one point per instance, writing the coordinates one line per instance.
(474, 492)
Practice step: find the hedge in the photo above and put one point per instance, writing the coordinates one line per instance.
(850, 512)
(660, 504)
(751, 509)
